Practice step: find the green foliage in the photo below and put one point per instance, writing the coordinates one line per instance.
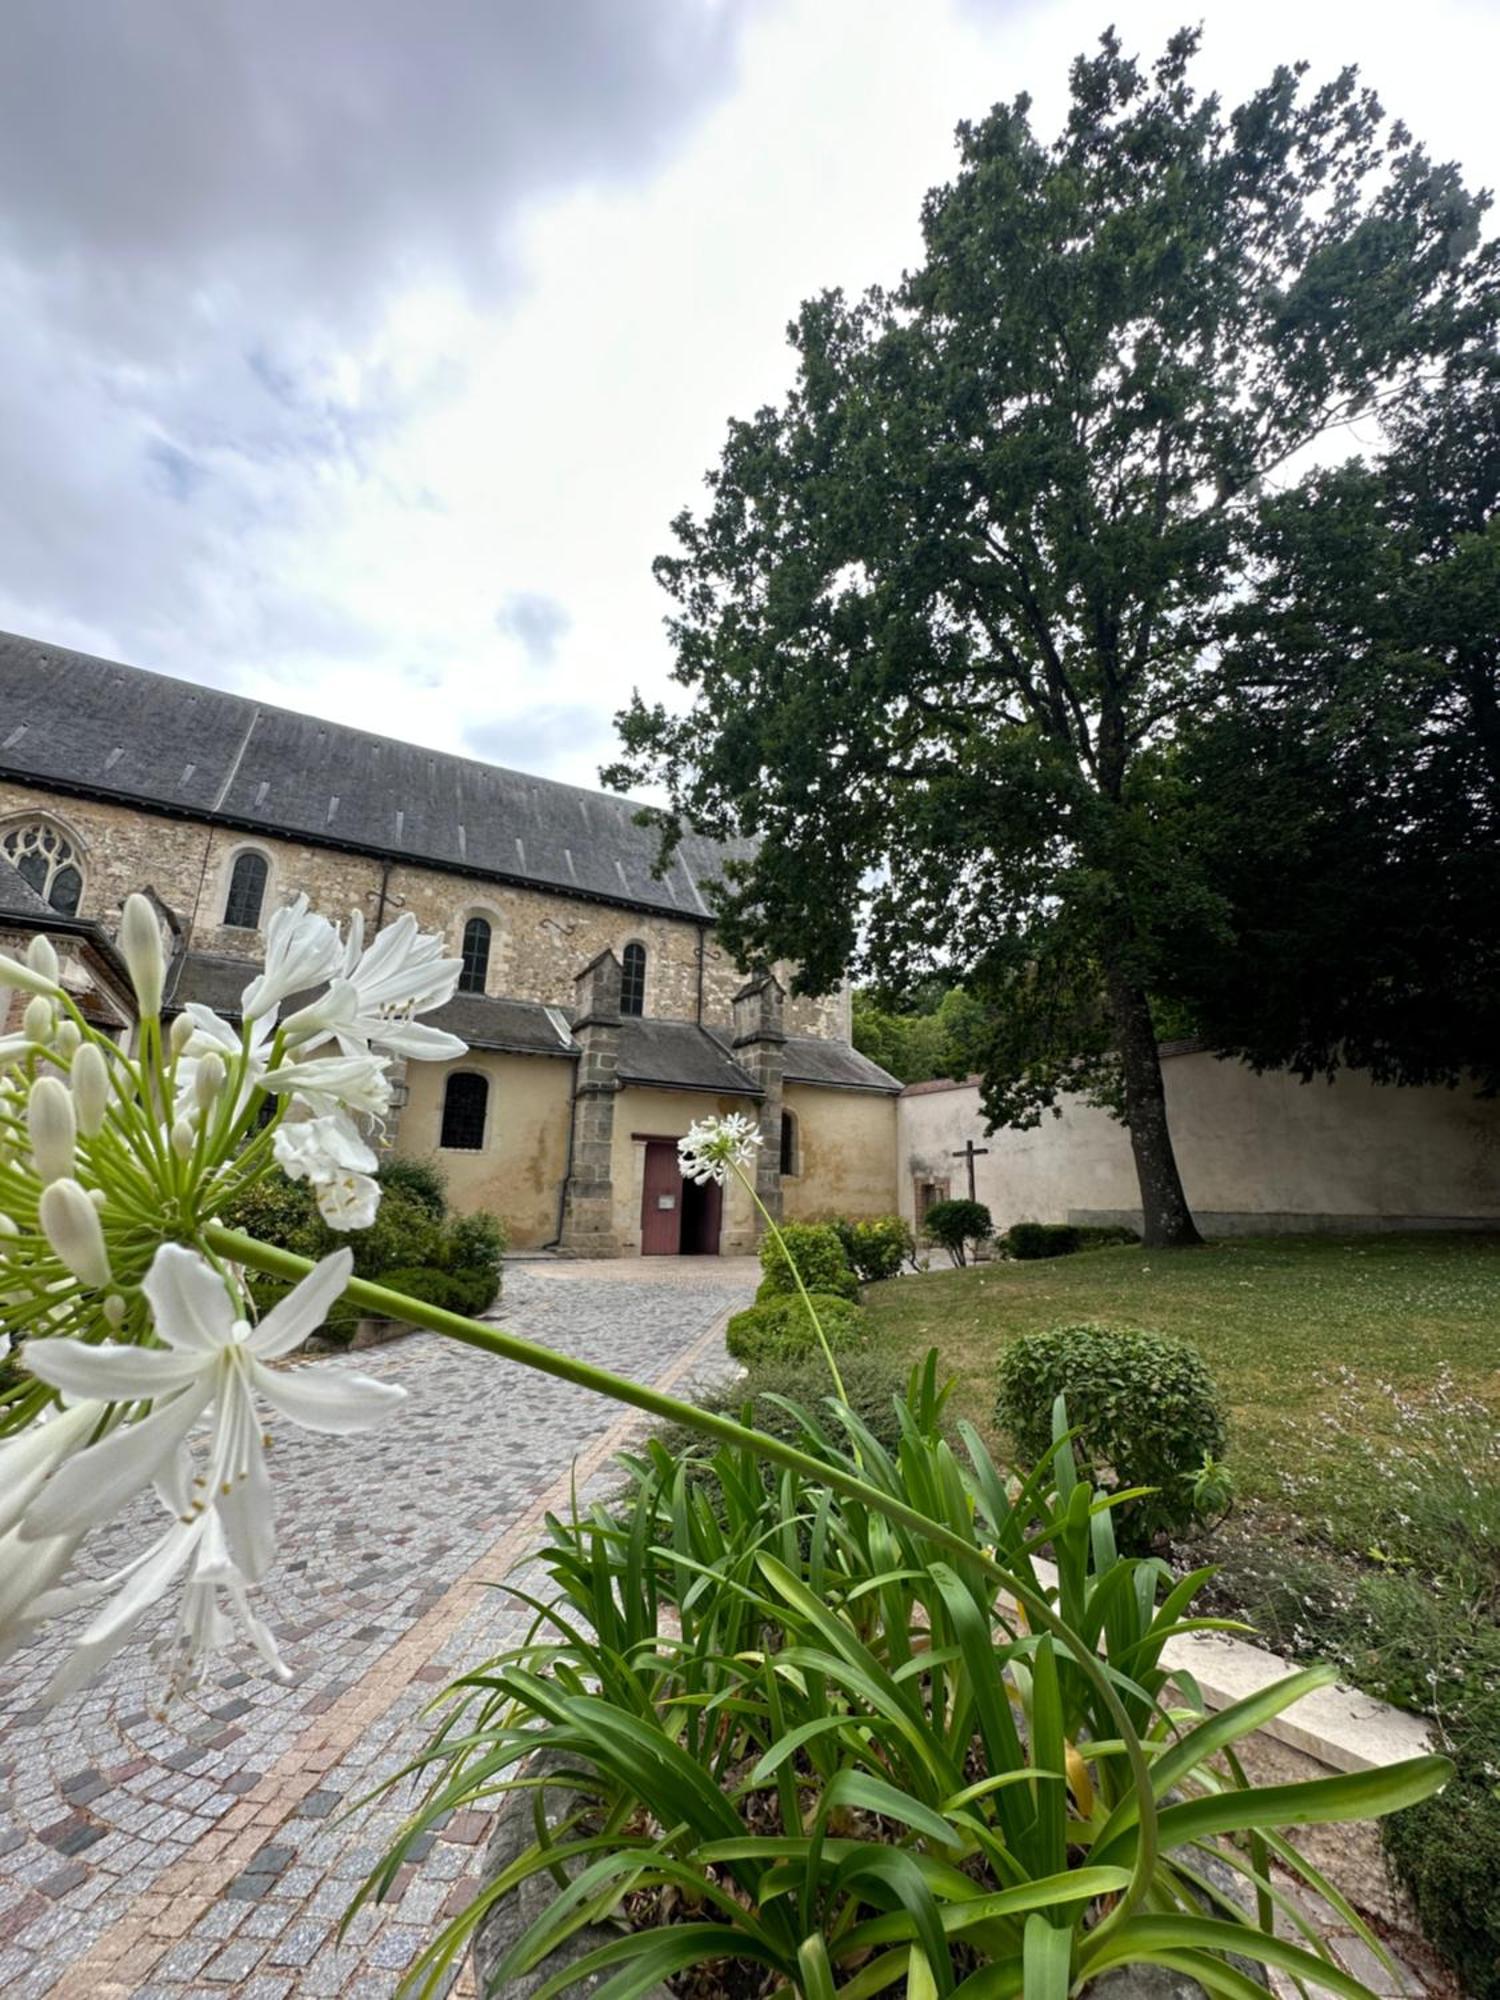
(461, 1289)
(425, 1179)
(819, 1256)
(877, 1248)
(916, 1044)
(951, 602)
(957, 1224)
(786, 1395)
(782, 1328)
(722, 1678)
(413, 1245)
(1026, 1241)
(1146, 1407)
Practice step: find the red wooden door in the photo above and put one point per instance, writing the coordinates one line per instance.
(661, 1201)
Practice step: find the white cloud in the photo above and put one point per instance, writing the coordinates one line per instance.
(453, 330)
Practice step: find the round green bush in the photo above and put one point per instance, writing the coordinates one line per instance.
(466, 1292)
(819, 1257)
(877, 1248)
(956, 1224)
(1146, 1405)
(1446, 1852)
(872, 1382)
(781, 1328)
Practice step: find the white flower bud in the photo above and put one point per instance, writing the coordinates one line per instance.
(42, 958)
(38, 1020)
(90, 1080)
(99, 1198)
(114, 1310)
(208, 1080)
(25, 978)
(51, 1127)
(184, 1138)
(181, 1033)
(67, 1038)
(140, 947)
(8, 1227)
(72, 1227)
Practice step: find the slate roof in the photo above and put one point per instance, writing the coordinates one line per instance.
(836, 1066)
(17, 897)
(97, 728)
(682, 1056)
(520, 1026)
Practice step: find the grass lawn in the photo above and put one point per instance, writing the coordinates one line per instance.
(1276, 1319)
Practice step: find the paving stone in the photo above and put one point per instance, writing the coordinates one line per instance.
(374, 1531)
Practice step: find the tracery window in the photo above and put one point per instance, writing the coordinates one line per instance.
(466, 1099)
(633, 979)
(247, 890)
(45, 858)
(476, 955)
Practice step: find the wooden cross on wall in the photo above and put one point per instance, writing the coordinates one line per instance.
(971, 1153)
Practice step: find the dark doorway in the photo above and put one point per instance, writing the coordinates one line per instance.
(701, 1209)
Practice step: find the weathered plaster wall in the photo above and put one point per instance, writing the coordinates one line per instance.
(519, 1172)
(1256, 1152)
(540, 941)
(667, 1114)
(845, 1154)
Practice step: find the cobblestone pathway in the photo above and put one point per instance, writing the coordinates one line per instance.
(205, 1855)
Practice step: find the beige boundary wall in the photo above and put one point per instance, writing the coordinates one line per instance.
(1258, 1154)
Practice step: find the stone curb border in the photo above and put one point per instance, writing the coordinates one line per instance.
(1336, 1726)
(121, 1960)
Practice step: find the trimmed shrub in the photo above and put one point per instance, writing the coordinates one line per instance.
(819, 1257)
(877, 1248)
(424, 1179)
(1146, 1408)
(475, 1244)
(782, 1328)
(1031, 1241)
(458, 1291)
(1026, 1241)
(872, 1382)
(957, 1224)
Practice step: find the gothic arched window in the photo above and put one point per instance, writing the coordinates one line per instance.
(476, 955)
(44, 857)
(788, 1142)
(633, 979)
(466, 1099)
(247, 890)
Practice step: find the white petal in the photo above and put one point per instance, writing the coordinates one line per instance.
(96, 1483)
(189, 1302)
(334, 1400)
(304, 1308)
(109, 1373)
(419, 1042)
(248, 1514)
(146, 1582)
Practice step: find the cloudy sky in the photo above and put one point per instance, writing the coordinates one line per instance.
(357, 355)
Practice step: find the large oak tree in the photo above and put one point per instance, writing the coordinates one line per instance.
(949, 602)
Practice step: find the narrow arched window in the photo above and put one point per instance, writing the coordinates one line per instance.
(247, 891)
(476, 956)
(633, 980)
(465, 1101)
(788, 1143)
(45, 859)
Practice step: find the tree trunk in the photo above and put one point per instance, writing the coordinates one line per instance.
(1167, 1221)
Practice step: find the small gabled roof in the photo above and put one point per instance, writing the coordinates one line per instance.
(97, 729)
(681, 1056)
(17, 897)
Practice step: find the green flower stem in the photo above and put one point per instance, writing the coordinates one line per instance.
(775, 1229)
(724, 1430)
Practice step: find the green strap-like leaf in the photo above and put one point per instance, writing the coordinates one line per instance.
(1047, 1955)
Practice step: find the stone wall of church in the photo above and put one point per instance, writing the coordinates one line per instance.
(540, 940)
(843, 1156)
(518, 1172)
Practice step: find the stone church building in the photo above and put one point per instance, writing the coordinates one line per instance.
(602, 1015)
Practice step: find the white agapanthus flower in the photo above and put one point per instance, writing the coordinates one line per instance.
(372, 1004)
(213, 1367)
(141, 1364)
(712, 1147)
